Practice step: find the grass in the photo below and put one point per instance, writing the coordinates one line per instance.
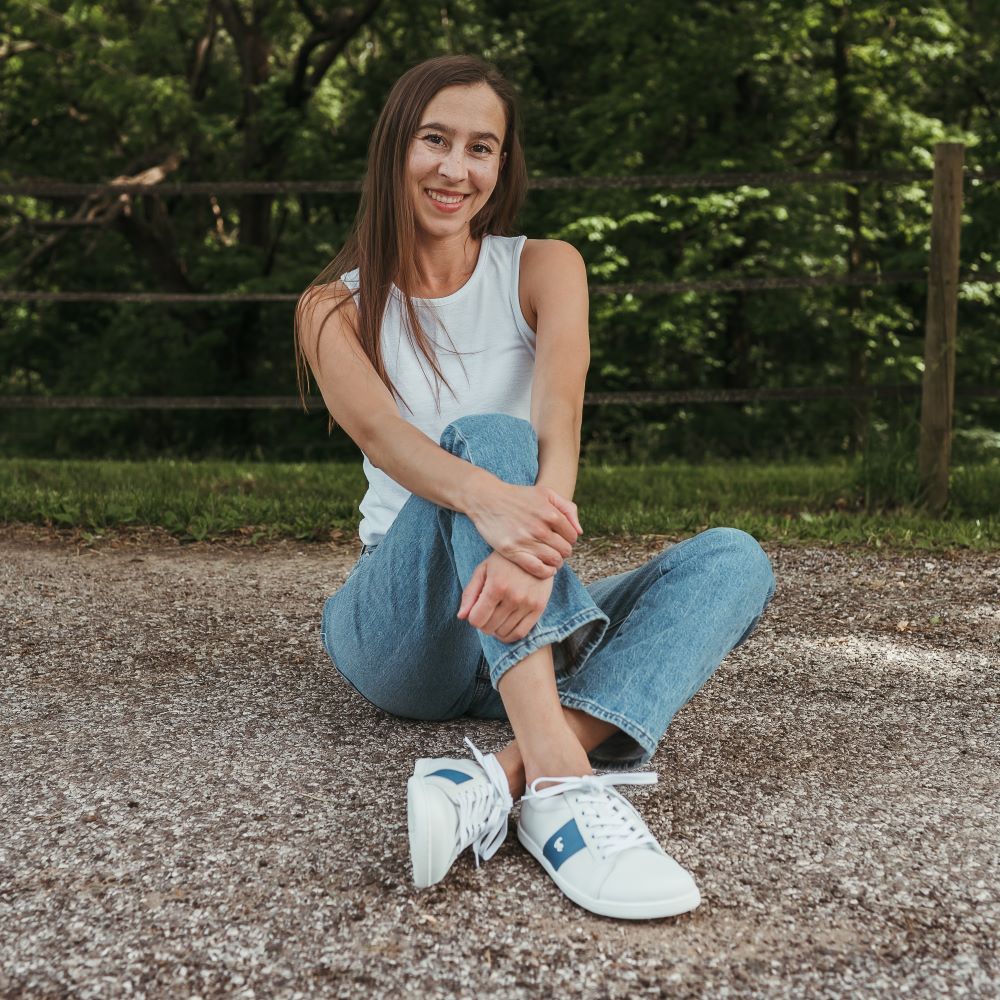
(828, 502)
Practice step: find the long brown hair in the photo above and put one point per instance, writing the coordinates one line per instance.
(381, 241)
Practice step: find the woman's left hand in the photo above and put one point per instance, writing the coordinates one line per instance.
(503, 600)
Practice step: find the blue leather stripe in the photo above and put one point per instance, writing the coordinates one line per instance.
(446, 772)
(563, 844)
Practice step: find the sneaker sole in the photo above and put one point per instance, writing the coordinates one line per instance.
(417, 826)
(646, 910)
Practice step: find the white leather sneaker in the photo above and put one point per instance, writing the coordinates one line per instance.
(598, 850)
(452, 804)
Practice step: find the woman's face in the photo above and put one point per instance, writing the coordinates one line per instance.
(454, 158)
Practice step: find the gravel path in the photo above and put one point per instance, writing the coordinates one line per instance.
(192, 802)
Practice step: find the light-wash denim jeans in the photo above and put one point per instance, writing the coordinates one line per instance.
(632, 648)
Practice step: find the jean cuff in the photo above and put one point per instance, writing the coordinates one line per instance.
(627, 750)
(572, 642)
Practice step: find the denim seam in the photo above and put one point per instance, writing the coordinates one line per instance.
(629, 726)
(465, 441)
(530, 643)
(621, 621)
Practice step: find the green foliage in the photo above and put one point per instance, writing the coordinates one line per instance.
(96, 91)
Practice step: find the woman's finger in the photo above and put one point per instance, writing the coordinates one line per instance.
(509, 623)
(470, 595)
(495, 624)
(482, 612)
(526, 623)
(561, 544)
(568, 509)
(534, 565)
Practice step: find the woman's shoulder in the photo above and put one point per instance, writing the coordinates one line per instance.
(328, 298)
(548, 259)
(550, 262)
(331, 291)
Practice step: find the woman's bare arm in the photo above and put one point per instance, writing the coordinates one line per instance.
(554, 294)
(361, 403)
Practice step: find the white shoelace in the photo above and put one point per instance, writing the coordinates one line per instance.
(483, 809)
(609, 817)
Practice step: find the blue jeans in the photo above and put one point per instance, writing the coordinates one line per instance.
(631, 649)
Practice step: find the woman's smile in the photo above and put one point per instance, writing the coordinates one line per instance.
(446, 201)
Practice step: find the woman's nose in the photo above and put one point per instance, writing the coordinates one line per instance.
(453, 165)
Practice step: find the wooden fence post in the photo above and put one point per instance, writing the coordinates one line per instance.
(938, 397)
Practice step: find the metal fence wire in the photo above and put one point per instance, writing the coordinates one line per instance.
(45, 188)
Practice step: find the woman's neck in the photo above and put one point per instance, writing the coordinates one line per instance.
(445, 264)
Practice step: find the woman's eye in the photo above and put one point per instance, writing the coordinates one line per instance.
(436, 140)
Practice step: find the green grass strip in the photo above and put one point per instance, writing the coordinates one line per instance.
(828, 502)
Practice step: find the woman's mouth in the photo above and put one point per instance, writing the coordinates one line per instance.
(445, 202)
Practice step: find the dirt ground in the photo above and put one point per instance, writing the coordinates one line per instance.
(193, 803)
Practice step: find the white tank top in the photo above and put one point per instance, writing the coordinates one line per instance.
(491, 373)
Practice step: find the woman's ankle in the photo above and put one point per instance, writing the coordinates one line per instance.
(560, 757)
(509, 758)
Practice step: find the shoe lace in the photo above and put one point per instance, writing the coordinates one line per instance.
(483, 809)
(611, 819)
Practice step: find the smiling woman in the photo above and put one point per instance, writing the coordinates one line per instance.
(455, 167)
(427, 142)
(462, 602)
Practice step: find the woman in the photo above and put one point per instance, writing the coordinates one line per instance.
(461, 602)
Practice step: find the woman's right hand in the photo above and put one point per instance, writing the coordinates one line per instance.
(533, 526)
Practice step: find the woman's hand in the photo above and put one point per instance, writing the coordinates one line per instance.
(502, 600)
(532, 526)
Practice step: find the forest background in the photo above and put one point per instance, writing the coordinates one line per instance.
(282, 90)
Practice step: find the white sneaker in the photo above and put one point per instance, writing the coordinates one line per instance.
(451, 804)
(598, 850)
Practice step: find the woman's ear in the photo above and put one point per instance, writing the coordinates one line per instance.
(503, 159)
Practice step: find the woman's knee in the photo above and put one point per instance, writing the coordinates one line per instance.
(738, 556)
(505, 445)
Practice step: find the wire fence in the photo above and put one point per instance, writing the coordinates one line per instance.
(637, 398)
(45, 188)
(621, 288)
(42, 187)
